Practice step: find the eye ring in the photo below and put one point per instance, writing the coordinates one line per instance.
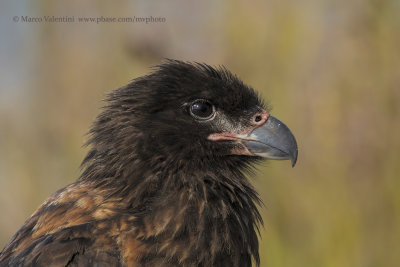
(202, 109)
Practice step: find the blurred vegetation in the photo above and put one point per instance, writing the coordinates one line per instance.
(330, 69)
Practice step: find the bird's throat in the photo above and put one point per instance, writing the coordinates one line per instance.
(188, 214)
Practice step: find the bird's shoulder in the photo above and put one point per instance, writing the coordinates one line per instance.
(72, 246)
(75, 226)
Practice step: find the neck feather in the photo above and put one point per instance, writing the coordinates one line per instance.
(195, 207)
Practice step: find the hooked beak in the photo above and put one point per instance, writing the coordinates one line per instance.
(270, 139)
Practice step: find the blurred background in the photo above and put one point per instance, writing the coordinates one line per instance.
(330, 69)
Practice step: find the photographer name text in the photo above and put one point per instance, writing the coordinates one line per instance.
(96, 20)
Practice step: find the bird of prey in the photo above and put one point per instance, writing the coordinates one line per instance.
(163, 183)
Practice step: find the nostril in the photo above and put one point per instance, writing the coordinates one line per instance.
(258, 118)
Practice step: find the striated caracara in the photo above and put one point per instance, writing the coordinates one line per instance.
(163, 182)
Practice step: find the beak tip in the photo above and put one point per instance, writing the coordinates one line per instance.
(294, 156)
(294, 160)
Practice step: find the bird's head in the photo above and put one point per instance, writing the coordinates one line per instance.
(178, 140)
(186, 111)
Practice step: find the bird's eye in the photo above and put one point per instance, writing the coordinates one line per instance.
(202, 109)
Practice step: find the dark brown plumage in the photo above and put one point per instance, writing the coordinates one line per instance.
(163, 183)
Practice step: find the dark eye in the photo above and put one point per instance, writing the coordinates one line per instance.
(202, 109)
